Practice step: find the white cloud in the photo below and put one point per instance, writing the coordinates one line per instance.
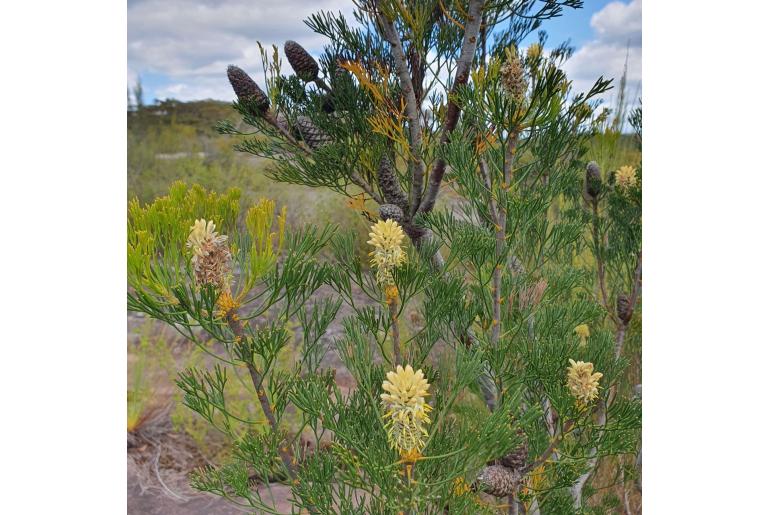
(191, 42)
(617, 34)
(619, 22)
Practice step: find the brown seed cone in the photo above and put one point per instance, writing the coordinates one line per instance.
(517, 459)
(247, 90)
(623, 308)
(498, 481)
(391, 212)
(593, 181)
(282, 122)
(389, 185)
(303, 63)
(312, 135)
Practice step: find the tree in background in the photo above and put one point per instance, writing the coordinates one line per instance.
(510, 387)
(138, 94)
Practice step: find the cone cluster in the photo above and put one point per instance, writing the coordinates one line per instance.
(512, 77)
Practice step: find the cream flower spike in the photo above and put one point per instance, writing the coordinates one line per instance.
(386, 238)
(405, 387)
(583, 382)
(406, 412)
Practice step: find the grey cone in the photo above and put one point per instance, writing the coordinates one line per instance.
(517, 459)
(498, 481)
(623, 307)
(389, 185)
(247, 90)
(593, 180)
(391, 212)
(312, 135)
(301, 62)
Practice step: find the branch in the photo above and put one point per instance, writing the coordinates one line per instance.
(600, 265)
(549, 451)
(236, 326)
(412, 109)
(393, 308)
(361, 183)
(468, 49)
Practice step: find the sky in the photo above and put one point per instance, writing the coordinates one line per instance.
(181, 48)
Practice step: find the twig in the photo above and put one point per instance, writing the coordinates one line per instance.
(600, 265)
(236, 326)
(549, 451)
(361, 183)
(393, 307)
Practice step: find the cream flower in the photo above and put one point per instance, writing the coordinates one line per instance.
(625, 177)
(211, 257)
(534, 51)
(583, 333)
(512, 76)
(386, 238)
(406, 412)
(202, 232)
(583, 382)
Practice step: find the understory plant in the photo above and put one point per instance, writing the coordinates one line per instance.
(505, 386)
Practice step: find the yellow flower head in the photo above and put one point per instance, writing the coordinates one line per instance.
(406, 412)
(386, 238)
(582, 332)
(583, 382)
(625, 177)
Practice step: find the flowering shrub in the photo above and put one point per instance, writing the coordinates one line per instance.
(499, 396)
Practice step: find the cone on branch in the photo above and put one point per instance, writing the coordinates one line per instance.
(498, 481)
(623, 308)
(517, 459)
(282, 122)
(391, 212)
(302, 62)
(593, 181)
(389, 185)
(310, 133)
(247, 91)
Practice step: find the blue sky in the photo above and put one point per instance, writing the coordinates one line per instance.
(181, 48)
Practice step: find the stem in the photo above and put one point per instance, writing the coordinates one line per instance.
(549, 451)
(393, 307)
(236, 326)
(600, 264)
